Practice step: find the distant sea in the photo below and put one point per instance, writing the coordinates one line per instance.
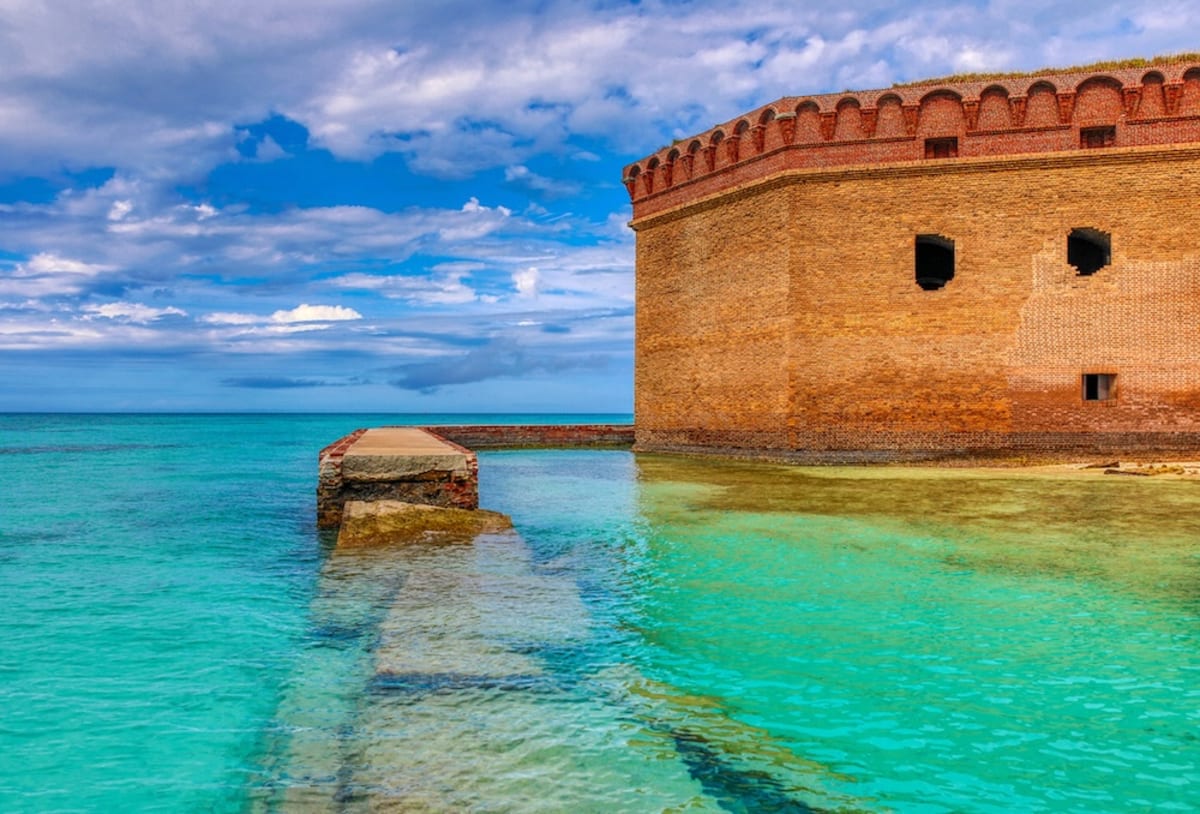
(657, 634)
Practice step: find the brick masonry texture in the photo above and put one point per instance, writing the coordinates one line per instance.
(778, 311)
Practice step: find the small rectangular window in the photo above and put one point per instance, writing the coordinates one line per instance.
(941, 147)
(934, 265)
(1099, 386)
(1092, 137)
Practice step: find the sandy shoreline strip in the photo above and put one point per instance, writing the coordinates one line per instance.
(1128, 468)
(1171, 470)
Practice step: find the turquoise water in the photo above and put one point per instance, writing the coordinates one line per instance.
(656, 634)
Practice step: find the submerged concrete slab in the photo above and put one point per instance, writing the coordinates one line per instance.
(399, 453)
(394, 522)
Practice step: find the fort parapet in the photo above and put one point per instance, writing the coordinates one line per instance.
(1059, 112)
(1009, 264)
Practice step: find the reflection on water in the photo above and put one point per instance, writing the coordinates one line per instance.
(667, 634)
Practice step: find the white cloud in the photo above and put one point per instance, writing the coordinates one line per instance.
(502, 83)
(526, 281)
(160, 94)
(49, 263)
(291, 328)
(524, 177)
(47, 274)
(286, 320)
(315, 313)
(120, 209)
(231, 318)
(132, 311)
(441, 288)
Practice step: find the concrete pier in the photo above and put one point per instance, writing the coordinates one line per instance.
(409, 464)
(432, 465)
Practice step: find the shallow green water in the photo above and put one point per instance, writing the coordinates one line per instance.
(657, 635)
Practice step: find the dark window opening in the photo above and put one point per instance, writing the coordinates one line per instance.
(1092, 137)
(934, 261)
(1089, 250)
(941, 147)
(1099, 386)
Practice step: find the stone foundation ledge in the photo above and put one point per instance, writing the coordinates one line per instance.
(943, 449)
(538, 436)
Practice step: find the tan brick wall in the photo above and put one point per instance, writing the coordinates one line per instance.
(784, 314)
(713, 322)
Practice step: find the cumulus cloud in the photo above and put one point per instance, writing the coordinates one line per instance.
(315, 313)
(268, 149)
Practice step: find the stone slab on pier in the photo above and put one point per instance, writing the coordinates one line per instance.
(400, 453)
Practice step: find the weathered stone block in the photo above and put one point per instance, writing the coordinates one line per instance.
(392, 522)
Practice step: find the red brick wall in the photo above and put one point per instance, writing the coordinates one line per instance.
(1147, 106)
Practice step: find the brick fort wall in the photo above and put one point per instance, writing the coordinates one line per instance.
(778, 304)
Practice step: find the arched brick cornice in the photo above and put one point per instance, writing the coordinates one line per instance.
(1099, 99)
(990, 117)
(1101, 80)
(940, 93)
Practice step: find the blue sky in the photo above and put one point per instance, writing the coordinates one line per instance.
(401, 206)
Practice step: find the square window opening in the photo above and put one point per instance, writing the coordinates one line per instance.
(1099, 386)
(1088, 250)
(941, 148)
(1091, 138)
